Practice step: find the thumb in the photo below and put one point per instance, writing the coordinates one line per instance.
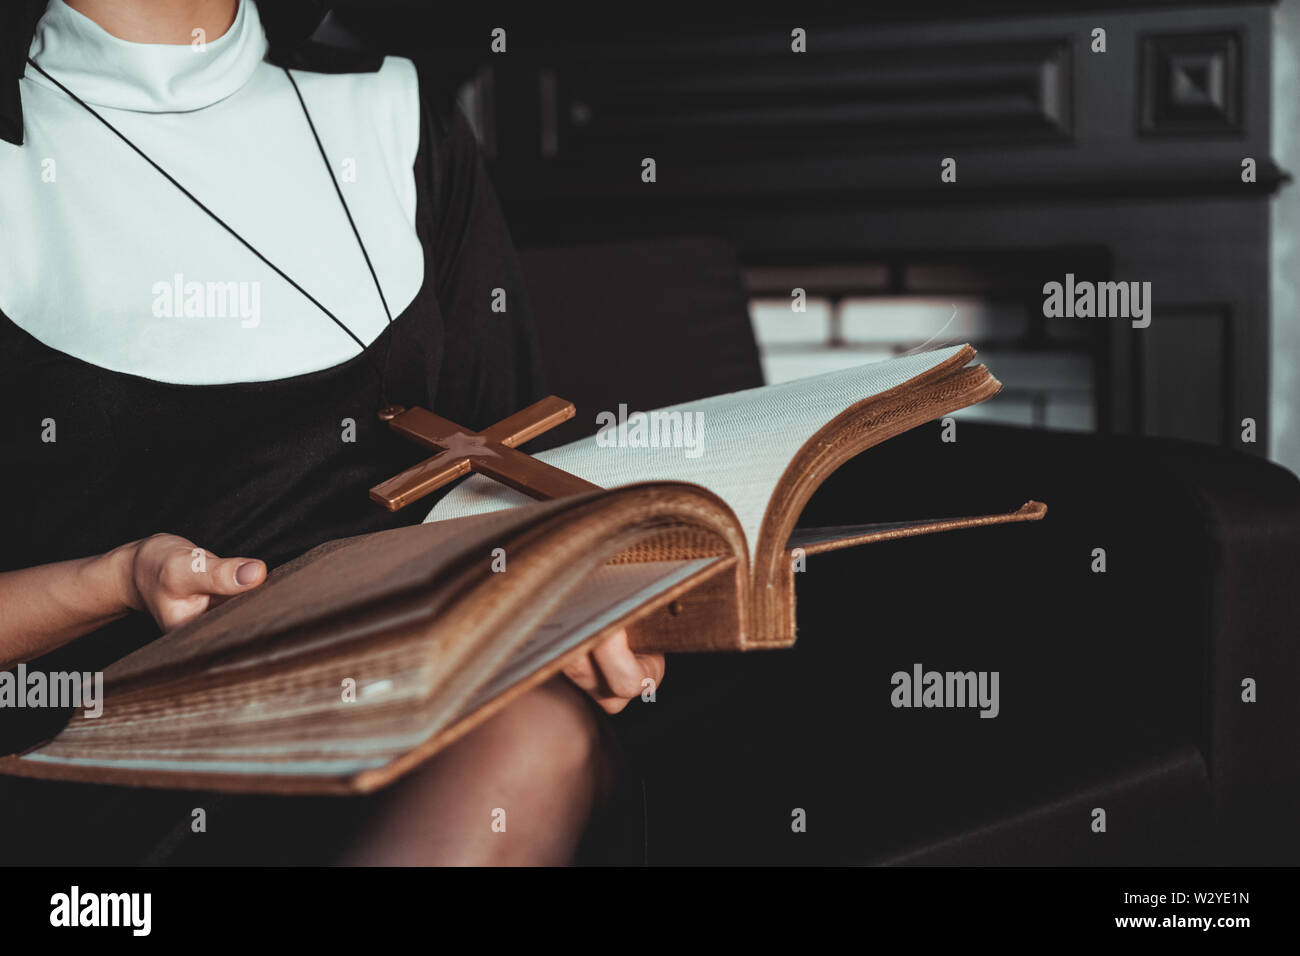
(233, 575)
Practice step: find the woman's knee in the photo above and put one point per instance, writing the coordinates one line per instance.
(551, 738)
(545, 764)
(518, 789)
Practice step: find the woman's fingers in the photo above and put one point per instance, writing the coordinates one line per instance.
(619, 667)
(582, 671)
(190, 571)
(234, 575)
(176, 581)
(613, 675)
(173, 612)
(654, 667)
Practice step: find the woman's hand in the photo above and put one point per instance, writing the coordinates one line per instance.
(46, 606)
(175, 580)
(612, 674)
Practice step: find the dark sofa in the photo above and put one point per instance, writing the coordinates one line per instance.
(1119, 690)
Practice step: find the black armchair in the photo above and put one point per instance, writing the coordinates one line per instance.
(1120, 691)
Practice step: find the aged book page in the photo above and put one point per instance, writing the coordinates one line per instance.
(739, 444)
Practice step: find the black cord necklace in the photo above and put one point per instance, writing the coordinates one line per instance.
(386, 410)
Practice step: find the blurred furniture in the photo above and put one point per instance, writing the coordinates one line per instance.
(603, 333)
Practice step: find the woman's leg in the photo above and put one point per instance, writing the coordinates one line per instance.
(517, 790)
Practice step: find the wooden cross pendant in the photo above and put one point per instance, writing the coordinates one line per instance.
(490, 452)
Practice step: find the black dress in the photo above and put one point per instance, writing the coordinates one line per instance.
(255, 469)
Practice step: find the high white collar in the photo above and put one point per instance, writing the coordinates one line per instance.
(146, 77)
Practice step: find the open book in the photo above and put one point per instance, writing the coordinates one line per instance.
(363, 657)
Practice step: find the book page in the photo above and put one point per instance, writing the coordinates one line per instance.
(832, 538)
(736, 445)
